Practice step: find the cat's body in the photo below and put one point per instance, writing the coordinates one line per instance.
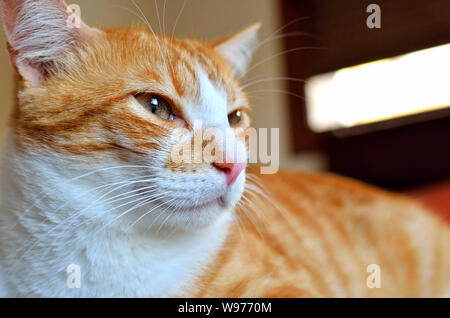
(322, 239)
(91, 182)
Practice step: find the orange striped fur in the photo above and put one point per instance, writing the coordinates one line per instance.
(320, 238)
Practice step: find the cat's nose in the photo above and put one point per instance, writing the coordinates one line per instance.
(232, 170)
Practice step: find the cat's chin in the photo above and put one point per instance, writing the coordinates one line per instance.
(207, 213)
(189, 218)
(203, 215)
(193, 217)
(195, 213)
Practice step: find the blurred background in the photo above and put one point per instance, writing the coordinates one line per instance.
(362, 92)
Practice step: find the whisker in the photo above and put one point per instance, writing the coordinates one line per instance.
(167, 218)
(287, 24)
(249, 212)
(141, 202)
(281, 36)
(255, 185)
(45, 193)
(126, 182)
(262, 80)
(75, 215)
(151, 29)
(280, 54)
(66, 226)
(164, 17)
(159, 19)
(238, 219)
(150, 211)
(178, 18)
(275, 91)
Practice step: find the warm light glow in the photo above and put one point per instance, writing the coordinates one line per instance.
(380, 90)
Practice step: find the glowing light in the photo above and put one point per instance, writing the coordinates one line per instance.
(380, 90)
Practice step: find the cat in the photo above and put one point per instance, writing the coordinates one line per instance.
(94, 205)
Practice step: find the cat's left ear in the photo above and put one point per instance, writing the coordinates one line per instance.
(39, 34)
(238, 49)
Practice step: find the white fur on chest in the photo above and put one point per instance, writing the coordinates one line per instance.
(38, 242)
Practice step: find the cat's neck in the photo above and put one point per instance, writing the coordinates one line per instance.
(44, 239)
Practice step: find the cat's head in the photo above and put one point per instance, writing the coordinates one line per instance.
(130, 97)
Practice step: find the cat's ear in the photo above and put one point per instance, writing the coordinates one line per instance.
(238, 48)
(39, 32)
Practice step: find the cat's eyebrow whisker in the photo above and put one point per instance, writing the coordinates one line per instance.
(178, 18)
(154, 34)
(162, 32)
(159, 18)
(129, 11)
(280, 91)
(274, 35)
(262, 80)
(281, 36)
(280, 54)
(286, 25)
(164, 17)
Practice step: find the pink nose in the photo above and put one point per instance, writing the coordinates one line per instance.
(232, 170)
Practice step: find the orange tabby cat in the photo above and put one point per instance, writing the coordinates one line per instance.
(95, 204)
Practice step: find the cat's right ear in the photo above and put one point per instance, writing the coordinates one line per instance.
(39, 33)
(238, 48)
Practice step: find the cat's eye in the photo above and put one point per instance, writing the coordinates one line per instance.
(157, 105)
(235, 118)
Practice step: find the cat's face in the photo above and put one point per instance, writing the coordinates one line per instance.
(172, 108)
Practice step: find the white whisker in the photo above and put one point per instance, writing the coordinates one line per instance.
(280, 54)
(178, 18)
(281, 36)
(262, 80)
(150, 211)
(275, 91)
(153, 32)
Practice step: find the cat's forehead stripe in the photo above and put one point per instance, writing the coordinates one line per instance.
(188, 53)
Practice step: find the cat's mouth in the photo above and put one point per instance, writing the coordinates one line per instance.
(221, 202)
